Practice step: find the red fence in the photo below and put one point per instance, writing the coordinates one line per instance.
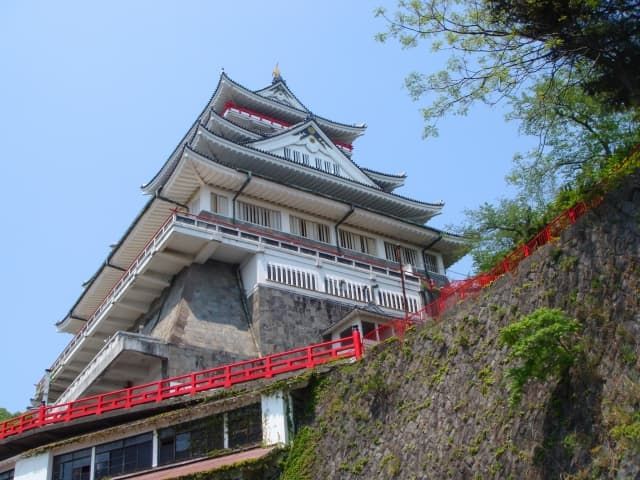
(190, 384)
(459, 290)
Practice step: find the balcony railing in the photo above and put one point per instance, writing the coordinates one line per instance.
(115, 345)
(224, 376)
(247, 232)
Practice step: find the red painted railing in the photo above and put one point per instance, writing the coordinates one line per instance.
(156, 238)
(225, 376)
(456, 291)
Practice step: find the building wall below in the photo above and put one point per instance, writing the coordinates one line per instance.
(284, 319)
(36, 467)
(203, 308)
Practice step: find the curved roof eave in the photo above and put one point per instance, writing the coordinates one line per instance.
(228, 124)
(433, 208)
(352, 129)
(114, 251)
(217, 161)
(152, 185)
(160, 177)
(387, 181)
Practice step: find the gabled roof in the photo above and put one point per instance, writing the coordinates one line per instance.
(279, 92)
(310, 138)
(348, 190)
(229, 91)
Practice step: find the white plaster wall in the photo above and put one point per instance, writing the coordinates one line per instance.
(33, 468)
(274, 419)
(251, 272)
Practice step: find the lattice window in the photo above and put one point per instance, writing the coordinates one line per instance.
(292, 276)
(357, 242)
(124, 456)
(219, 204)
(72, 466)
(308, 229)
(341, 287)
(431, 263)
(394, 253)
(395, 300)
(245, 426)
(190, 440)
(259, 215)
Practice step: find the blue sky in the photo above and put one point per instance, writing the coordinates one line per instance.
(94, 96)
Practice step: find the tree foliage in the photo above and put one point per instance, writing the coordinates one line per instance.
(579, 139)
(497, 47)
(569, 70)
(544, 344)
(5, 414)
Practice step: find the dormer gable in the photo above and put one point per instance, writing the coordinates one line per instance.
(279, 92)
(306, 144)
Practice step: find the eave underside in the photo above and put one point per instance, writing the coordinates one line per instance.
(268, 165)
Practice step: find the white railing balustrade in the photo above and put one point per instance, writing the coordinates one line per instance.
(395, 301)
(341, 287)
(292, 276)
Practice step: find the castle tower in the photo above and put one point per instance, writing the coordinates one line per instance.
(261, 234)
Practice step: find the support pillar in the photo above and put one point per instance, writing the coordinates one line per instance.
(37, 467)
(276, 414)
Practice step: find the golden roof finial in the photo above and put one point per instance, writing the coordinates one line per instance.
(276, 73)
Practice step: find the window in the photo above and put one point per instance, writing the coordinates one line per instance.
(190, 440)
(431, 263)
(219, 204)
(393, 252)
(297, 156)
(6, 475)
(357, 242)
(367, 328)
(336, 169)
(245, 426)
(305, 159)
(123, 456)
(287, 153)
(327, 166)
(318, 163)
(259, 215)
(72, 466)
(308, 229)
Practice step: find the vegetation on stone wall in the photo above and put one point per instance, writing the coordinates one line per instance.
(544, 344)
(436, 405)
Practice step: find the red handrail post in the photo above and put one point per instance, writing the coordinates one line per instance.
(310, 362)
(41, 415)
(159, 395)
(268, 373)
(194, 383)
(358, 347)
(227, 377)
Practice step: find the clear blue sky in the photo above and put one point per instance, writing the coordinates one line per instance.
(95, 95)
